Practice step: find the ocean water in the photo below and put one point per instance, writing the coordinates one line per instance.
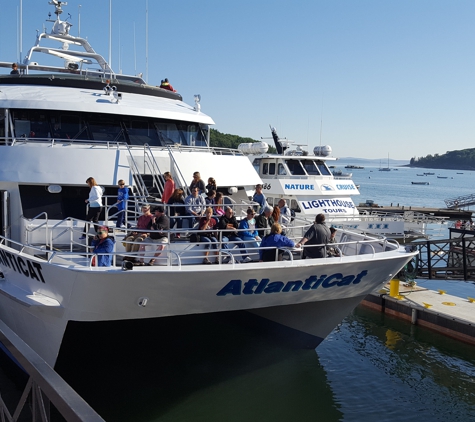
(372, 367)
(395, 187)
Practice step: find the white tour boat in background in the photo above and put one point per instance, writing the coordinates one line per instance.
(60, 125)
(310, 187)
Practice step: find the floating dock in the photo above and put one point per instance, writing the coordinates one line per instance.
(453, 214)
(449, 315)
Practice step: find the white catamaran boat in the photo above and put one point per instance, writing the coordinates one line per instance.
(60, 125)
(310, 187)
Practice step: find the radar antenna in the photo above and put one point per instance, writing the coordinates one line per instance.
(58, 4)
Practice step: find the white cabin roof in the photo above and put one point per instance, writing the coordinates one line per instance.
(96, 101)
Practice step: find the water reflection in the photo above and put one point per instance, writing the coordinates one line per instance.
(205, 368)
(383, 369)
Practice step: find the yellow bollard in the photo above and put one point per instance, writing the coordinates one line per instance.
(394, 288)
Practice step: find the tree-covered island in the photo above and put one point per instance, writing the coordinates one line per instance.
(452, 160)
(225, 140)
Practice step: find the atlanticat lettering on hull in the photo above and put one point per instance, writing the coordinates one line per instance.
(22, 266)
(254, 287)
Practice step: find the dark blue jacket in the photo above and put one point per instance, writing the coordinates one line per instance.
(276, 240)
(102, 247)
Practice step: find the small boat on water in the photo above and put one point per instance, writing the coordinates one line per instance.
(429, 174)
(420, 175)
(338, 174)
(442, 177)
(350, 166)
(420, 183)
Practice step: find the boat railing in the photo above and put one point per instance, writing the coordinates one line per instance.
(179, 252)
(31, 227)
(43, 386)
(139, 182)
(175, 165)
(153, 168)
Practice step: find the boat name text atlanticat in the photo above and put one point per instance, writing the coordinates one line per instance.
(23, 266)
(252, 286)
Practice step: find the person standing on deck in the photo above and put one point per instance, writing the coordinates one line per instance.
(95, 205)
(121, 204)
(169, 187)
(318, 234)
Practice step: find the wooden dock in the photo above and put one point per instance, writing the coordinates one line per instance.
(451, 213)
(449, 315)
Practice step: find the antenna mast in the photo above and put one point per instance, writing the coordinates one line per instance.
(110, 33)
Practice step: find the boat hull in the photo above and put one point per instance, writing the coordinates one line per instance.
(38, 304)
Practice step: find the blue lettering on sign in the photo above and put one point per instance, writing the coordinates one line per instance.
(254, 287)
(26, 267)
(328, 205)
(298, 186)
(348, 186)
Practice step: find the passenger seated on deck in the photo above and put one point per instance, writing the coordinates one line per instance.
(177, 209)
(229, 223)
(14, 69)
(275, 238)
(195, 204)
(264, 221)
(157, 225)
(132, 242)
(332, 251)
(206, 226)
(103, 244)
(249, 235)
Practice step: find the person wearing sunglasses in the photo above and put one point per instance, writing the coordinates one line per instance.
(103, 244)
(121, 204)
(197, 182)
(195, 205)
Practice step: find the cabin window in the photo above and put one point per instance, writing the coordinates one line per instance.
(35, 199)
(310, 167)
(265, 168)
(80, 126)
(141, 132)
(106, 128)
(281, 170)
(295, 168)
(323, 168)
(271, 168)
(257, 165)
(294, 205)
(69, 126)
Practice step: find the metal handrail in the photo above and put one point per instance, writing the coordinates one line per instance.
(43, 381)
(177, 169)
(29, 230)
(154, 170)
(139, 182)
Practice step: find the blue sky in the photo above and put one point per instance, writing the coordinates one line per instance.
(374, 77)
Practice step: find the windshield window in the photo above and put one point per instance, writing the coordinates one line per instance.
(295, 168)
(323, 168)
(51, 124)
(310, 167)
